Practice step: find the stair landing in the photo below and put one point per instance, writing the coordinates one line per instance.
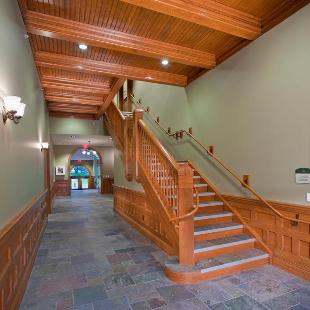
(216, 266)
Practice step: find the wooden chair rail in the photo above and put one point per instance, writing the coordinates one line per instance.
(209, 151)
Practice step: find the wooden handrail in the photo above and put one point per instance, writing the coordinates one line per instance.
(178, 218)
(220, 162)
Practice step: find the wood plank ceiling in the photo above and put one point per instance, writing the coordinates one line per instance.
(127, 39)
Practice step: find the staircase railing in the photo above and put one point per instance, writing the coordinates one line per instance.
(123, 134)
(210, 152)
(117, 120)
(172, 183)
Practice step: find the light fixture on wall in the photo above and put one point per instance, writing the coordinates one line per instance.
(13, 109)
(44, 146)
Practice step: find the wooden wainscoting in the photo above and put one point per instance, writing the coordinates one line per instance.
(62, 187)
(19, 241)
(290, 243)
(133, 206)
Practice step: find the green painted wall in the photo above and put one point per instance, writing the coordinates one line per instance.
(22, 166)
(76, 126)
(255, 109)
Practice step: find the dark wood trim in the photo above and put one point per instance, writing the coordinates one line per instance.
(288, 242)
(19, 242)
(73, 115)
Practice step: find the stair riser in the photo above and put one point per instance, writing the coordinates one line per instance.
(202, 189)
(196, 277)
(203, 199)
(216, 235)
(197, 181)
(218, 220)
(210, 209)
(230, 249)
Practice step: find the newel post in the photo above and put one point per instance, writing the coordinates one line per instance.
(186, 225)
(137, 115)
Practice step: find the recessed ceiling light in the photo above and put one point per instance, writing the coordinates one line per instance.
(82, 46)
(165, 62)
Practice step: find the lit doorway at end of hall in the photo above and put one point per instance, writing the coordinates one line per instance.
(85, 170)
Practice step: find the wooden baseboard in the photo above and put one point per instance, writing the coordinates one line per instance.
(290, 244)
(19, 242)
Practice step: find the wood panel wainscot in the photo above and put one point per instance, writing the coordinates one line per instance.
(19, 241)
(289, 241)
(62, 187)
(132, 205)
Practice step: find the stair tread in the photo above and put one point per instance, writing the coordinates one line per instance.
(196, 176)
(200, 184)
(211, 203)
(205, 194)
(216, 227)
(205, 216)
(222, 242)
(230, 259)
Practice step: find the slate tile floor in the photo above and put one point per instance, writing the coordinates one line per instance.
(90, 259)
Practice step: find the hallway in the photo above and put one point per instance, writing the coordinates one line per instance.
(90, 259)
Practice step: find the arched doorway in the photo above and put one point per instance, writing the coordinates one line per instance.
(80, 176)
(85, 169)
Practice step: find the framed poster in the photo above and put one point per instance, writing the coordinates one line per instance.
(60, 170)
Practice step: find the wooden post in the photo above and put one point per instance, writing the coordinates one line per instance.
(137, 115)
(185, 205)
(129, 94)
(121, 98)
(128, 149)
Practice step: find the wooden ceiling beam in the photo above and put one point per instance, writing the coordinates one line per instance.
(75, 82)
(72, 110)
(59, 61)
(208, 13)
(115, 88)
(64, 29)
(74, 85)
(72, 99)
(72, 115)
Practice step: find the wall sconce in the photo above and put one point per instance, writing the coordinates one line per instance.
(44, 146)
(13, 109)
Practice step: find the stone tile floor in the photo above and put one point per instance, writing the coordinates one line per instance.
(90, 259)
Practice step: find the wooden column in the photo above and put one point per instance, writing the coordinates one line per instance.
(137, 115)
(121, 98)
(128, 106)
(186, 226)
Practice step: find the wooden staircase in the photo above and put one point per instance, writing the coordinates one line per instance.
(222, 243)
(208, 237)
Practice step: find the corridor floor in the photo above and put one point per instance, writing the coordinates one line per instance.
(90, 259)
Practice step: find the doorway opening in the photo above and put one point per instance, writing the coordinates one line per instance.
(85, 167)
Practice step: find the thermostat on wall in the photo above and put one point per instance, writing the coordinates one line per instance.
(302, 175)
